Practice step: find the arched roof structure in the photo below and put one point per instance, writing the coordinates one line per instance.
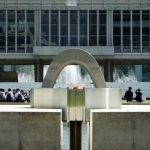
(74, 56)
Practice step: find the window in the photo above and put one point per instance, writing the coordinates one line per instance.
(21, 31)
(44, 28)
(30, 31)
(11, 29)
(2, 30)
(54, 28)
(83, 28)
(92, 28)
(117, 31)
(64, 27)
(102, 28)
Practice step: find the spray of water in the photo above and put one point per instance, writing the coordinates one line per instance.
(22, 77)
(71, 77)
(118, 76)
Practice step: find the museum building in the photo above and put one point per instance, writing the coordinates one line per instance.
(33, 32)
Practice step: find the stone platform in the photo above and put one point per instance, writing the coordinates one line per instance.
(25, 128)
(120, 129)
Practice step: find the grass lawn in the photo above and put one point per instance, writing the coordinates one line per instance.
(125, 101)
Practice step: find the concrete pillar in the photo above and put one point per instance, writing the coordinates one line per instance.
(108, 71)
(109, 27)
(38, 71)
(138, 72)
(38, 27)
(7, 67)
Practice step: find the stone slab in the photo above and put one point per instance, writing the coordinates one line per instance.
(120, 129)
(25, 128)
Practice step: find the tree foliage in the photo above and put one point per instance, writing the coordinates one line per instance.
(145, 69)
(124, 68)
(23, 69)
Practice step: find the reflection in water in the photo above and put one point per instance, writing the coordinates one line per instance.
(66, 137)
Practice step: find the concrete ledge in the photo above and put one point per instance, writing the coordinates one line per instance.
(14, 103)
(24, 128)
(55, 50)
(116, 129)
(135, 103)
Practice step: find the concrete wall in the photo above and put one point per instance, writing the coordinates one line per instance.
(119, 130)
(27, 129)
(145, 86)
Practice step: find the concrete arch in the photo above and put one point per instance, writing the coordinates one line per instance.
(74, 56)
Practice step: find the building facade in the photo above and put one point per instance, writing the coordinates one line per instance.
(115, 32)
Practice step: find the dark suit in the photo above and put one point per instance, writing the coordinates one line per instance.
(128, 95)
(138, 96)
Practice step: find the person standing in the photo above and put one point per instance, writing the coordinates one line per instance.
(138, 95)
(129, 95)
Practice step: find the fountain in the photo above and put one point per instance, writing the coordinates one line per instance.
(118, 76)
(71, 76)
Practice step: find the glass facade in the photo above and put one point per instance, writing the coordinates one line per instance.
(126, 31)
(117, 31)
(54, 28)
(11, 30)
(145, 32)
(44, 28)
(83, 28)
(73, 28)
(131, 31)
(19, 31)
(136, 31)
(92, 28)
(2, 30)
(102, 28)
(64, 28)
(30, 31)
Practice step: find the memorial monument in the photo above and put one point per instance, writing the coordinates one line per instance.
(75, 104)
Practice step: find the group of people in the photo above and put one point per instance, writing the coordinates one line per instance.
(129, 95)
(16, 95)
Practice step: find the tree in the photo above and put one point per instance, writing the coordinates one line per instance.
(145, 69)
(124, 68)
(26, 71)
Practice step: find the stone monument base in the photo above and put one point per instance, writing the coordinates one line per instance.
(120, 129)
(25, 128)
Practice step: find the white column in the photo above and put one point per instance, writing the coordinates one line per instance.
(97, 27)
(121, 31)
(49, 28)
(138, 72)
(131, 30)
(38, 27)
(87, 27)
(141, 31)
(7, 67)
(6, 49)
(78, 27)
(59, 38)
(109, 27)
(16, 31)
(25, 30)
(68, 27)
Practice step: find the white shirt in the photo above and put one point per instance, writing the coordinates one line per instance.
(11, 94)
